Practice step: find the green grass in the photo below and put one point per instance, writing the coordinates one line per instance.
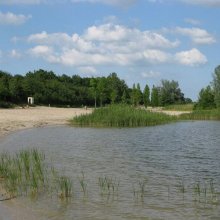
(23, 172)
(213, 114)
(65, 187)
(121, 116)
(26, 173)
(180, 107)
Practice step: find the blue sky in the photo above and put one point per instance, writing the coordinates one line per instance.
(141, 40)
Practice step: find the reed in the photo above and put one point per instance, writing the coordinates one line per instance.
(139, 190)
(22, 172)
(65, 187)
(83, 184)
(121, 116)
(26, 173)
(108, 185)
(213, 114)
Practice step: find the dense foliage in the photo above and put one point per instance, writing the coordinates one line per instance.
(48, 88)
(62, 90)
(209, 97)
(122, 116)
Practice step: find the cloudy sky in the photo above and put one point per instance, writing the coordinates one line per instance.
(141, 40)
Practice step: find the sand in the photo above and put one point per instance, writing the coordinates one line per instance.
(16, 119)
(168, 112)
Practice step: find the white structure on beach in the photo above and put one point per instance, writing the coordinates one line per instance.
(30, 100)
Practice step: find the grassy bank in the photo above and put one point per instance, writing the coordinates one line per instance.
(121, 116)
(213, 114)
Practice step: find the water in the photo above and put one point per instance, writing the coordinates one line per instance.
(165, 158)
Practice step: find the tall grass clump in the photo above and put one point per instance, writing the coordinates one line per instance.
(65, 187)
(108, 185)
(26, 173)
(213, 114)
(121, 116)
(23, 172)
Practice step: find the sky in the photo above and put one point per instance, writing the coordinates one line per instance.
(143, 41)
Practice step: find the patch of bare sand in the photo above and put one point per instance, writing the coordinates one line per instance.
(16, 119)
(168, 112)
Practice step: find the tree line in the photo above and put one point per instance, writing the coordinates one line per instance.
(209, 97)
(47, 88)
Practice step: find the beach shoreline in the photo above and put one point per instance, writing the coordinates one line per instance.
(12, 120)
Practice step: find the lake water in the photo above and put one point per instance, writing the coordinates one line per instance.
(171, 160)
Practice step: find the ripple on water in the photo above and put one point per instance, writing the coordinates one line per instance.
(165, 158)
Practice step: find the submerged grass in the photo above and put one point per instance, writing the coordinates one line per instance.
(108, 185)
(26, 173)
(65, 187)
(121, 116)
(23, 172)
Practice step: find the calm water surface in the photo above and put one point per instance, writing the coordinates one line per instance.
(165, 157)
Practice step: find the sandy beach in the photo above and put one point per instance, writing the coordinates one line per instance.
(17, 119)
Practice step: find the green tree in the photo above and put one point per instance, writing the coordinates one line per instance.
(138, 95)
(124, 97)
(17, 90)
(4, 86)
(206, 98)
(155, 96)
(115, 88)
(170, 93)
(94, 83)
(146, 96)
(101, 88)
(113, 96)
(133, 94)
(216, 85)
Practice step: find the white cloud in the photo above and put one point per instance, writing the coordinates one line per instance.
(118, 33)
(150, 74)
(41, 50)
(192, 21)
(13, 19)
(109, 45)
(102, 45)
(45, 52)
(198, 35)
(191, 57)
